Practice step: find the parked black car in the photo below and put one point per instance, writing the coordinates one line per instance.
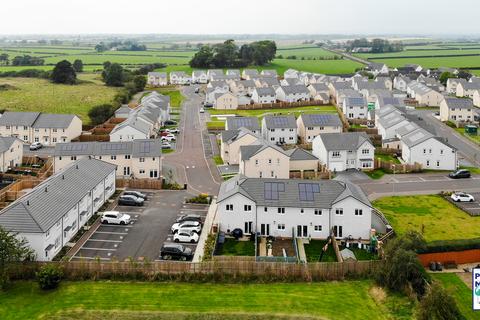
(130, 201)
(170, 123)
(189, 217)
(135, 193)
(460, 174)
(174, 251)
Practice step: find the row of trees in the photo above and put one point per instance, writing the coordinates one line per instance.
(25, 60)
(120, 46)
(229, 55)
(377, 45)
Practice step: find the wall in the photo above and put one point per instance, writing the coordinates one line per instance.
(460, 257)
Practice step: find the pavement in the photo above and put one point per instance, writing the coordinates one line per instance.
(411, 184)
(144, 237)
(466, 148)
(194, 148)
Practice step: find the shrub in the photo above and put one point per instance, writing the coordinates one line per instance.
(438, 304)
(451, 245)
(209, 247)
(49, 276)
(202, 198)
(100, 114)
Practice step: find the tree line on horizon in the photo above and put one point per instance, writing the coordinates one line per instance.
(229, 55)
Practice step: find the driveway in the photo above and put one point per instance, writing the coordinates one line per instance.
(191, 160)
(356, 176)
(144, 237)
(43, 152)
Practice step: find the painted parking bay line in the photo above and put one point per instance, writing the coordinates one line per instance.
(99, 249)
(107, 232)
(100, 240)
(91, 258)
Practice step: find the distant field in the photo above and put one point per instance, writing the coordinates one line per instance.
(41, 95)
(307, 52)
(434, 217)
(137, 300)
(409, 53)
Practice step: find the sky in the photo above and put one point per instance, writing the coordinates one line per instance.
(405, 17)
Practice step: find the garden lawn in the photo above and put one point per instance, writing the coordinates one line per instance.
(232, 247)
(176, 97)
(386, 158)
(124, 300)
(460, 291)
(313, 249)
(41, 95)
(431, 215)
(375, 174)
(475, 139)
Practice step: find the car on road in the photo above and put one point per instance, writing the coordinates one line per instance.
(166, 145)
(460, 174)
(185, 236)
(189, 217)
(170, 123)
(202, 110)
(115, 217)
(174, 130)
(197, 90)
(175, 251)
(437, 113)
(137, 194)
(169, 137)
(36, 146)
(462, 197)
(187, 225)
(130, 201)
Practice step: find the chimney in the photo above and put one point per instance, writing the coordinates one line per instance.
(28, 202)
(46, 189)
(63, 177)
(76, 166)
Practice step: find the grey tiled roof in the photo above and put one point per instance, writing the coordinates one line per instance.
(49, 120)
(319, 87)
(10, 118)
(133, 122)
(383, 101)
(299, 154)
(6, 143)
(331, 191)
(458, 103)
(417, 136)
(356, 102)
(252, 149)
(232, 135)
(136, 148)
(322, 120)
(299, 88)
(251, 123)
(273, 122)
(42, 207)
(262, 92)
(343, 141)
(157, 74)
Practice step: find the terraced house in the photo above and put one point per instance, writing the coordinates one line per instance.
(285, 207)
(311, 125)
(50, 215)
(139, 159)
(280, 129)
(11, 153)
(46, 128)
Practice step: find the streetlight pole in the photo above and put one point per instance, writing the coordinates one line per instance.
(393, 184)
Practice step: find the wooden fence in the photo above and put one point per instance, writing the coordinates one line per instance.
(15, 190)
(280, 105)
(93, 137)
(366, 130)
(151, 271)
(397, 167)
(139, 183)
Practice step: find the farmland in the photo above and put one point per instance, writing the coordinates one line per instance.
(29, 94)
(135, 300)
(176, 60)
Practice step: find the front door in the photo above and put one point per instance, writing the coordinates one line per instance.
(265, 229)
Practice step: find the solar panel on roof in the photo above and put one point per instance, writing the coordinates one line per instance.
(307, 190)
(272, 190)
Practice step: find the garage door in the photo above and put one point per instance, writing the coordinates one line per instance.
(336, 166)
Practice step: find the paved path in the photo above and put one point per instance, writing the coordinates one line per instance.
(466, 148)
(193, 167)
(349, 56)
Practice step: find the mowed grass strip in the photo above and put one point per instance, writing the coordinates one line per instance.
(41, 95)
(260, 113)
(460, 291)
(431, 215)
(321, 300)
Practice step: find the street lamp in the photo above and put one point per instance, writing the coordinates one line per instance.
(393, 184)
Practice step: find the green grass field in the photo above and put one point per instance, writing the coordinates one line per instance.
(431, 215)
(314, 248)
(387, 158)
(232, 247)
(115, 300)
(260, 113)
(473, 138)
(460, 291)
(41, 95)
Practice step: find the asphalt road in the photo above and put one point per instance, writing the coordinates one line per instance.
(466, 149)
(43, 152)
(189, 160)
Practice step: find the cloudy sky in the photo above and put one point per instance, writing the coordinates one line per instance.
(240, 16)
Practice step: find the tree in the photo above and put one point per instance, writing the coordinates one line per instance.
(64, 73)
(464, 74)
(140, 82)
(113, 75)
(12, 249)
(401, 268)
(78, 65)
(445, 76)
(4, 59)
(203, 58)
(438, 304)
(100, 47)
(101, 113)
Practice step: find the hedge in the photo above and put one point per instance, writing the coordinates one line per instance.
(452, 245)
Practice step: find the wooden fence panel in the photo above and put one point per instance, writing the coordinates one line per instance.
(280, 105)
(139, 183)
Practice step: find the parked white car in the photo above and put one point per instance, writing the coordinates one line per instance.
(115, 217)
(202, 110)
(462, 197)
(185, 236)
(166, 145)
(169, 137)
(187, 226)
(36, 146)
